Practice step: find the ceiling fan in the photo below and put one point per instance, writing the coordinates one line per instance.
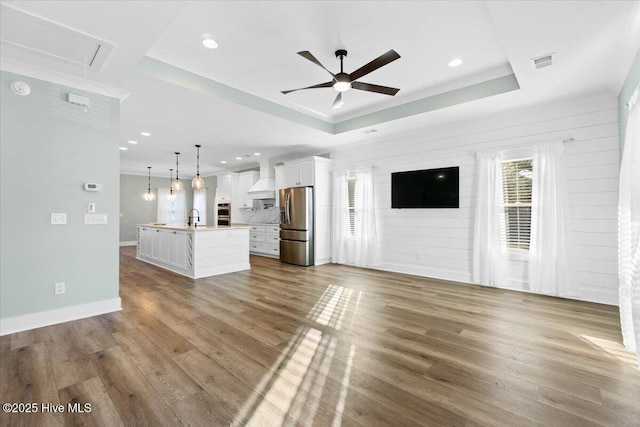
(342, 81)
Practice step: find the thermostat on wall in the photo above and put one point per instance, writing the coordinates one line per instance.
(90, 186)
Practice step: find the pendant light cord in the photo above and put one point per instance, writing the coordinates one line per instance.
(177, 179)
(149, 185)
(198, 161)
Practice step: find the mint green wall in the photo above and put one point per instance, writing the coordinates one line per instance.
(630, 84)
(49, 149)
(135, 210)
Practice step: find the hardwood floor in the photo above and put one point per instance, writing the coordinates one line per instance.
(327, 346)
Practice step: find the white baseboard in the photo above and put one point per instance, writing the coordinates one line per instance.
(60, 315)
(436, 273)
(130, 243)
(456, 276)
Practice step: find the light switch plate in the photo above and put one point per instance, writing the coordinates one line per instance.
(91, 208)
(58, 218)
(59, 288)
(95, 219)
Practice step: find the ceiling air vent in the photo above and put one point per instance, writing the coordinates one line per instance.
(544, 60)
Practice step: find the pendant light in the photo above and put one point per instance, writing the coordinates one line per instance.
(171, 196)
(197, 183)
(177, 184)
(149, 196)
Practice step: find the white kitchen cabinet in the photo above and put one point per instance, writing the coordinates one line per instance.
(272, 240)
(280, 181)
(224, 190)
(264, 240)
(299, 173)
(155, 244)
(144, 241)
(195, 253)
(177, 243)
(245, 182)
(159, 244)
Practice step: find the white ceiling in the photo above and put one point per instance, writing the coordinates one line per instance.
(242, 110)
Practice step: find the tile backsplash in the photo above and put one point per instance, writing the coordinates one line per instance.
(260, 215)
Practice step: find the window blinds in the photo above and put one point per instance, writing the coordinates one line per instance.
(516, 186)
(351, 192)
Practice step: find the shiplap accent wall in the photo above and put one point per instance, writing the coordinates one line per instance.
(438, 242)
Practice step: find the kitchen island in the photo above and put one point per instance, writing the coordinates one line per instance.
(195, 252)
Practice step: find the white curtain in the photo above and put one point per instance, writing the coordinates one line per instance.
(549, 260)
(629, 230)
(172, 212)
(489, 244)
(200, 203)
(360, 248)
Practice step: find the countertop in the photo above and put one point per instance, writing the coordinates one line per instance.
(183, 227)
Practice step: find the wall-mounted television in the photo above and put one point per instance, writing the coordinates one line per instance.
(429, 188)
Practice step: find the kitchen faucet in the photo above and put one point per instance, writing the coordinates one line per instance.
(193, 217)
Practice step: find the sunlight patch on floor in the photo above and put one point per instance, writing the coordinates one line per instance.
(344, 389)
(330, 309)
(282, 391)
(297, 381)
(615, 349)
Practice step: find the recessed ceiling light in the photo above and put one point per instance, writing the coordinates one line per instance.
(124, 148)
(256, 154)
(132, 142)
(209, 43)
(145, 134)
(238, 158)
(223, 161)
(455, 62)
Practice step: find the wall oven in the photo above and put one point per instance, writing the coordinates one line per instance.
(224, 214)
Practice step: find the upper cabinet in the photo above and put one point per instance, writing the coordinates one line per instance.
(245, 182)
(224, 191)
(298, 173)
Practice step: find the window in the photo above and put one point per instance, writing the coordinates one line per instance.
(516, 190)
(174, 212)
(351, 191)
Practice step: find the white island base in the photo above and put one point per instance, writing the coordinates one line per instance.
(195, 252)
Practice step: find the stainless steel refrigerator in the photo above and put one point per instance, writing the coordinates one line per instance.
(296, 228)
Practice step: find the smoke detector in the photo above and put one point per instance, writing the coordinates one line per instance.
(20, 88)
(544, 60)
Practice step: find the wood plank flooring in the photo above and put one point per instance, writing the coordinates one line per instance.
(324, 346)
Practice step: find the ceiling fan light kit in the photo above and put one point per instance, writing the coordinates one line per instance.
(343, 82)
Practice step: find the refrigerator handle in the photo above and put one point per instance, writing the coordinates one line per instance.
(287, 206)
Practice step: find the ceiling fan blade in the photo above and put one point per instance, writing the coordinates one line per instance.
(338, 103)
(306, 54)
(327, 84)
(380, 61)
(375, 88)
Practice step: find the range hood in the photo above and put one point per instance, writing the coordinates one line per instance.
(265, 188)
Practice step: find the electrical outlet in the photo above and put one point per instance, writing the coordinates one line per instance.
(59, 288)
(95, 219)
(58, 218)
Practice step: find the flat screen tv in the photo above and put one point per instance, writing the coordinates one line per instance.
(429, 188)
